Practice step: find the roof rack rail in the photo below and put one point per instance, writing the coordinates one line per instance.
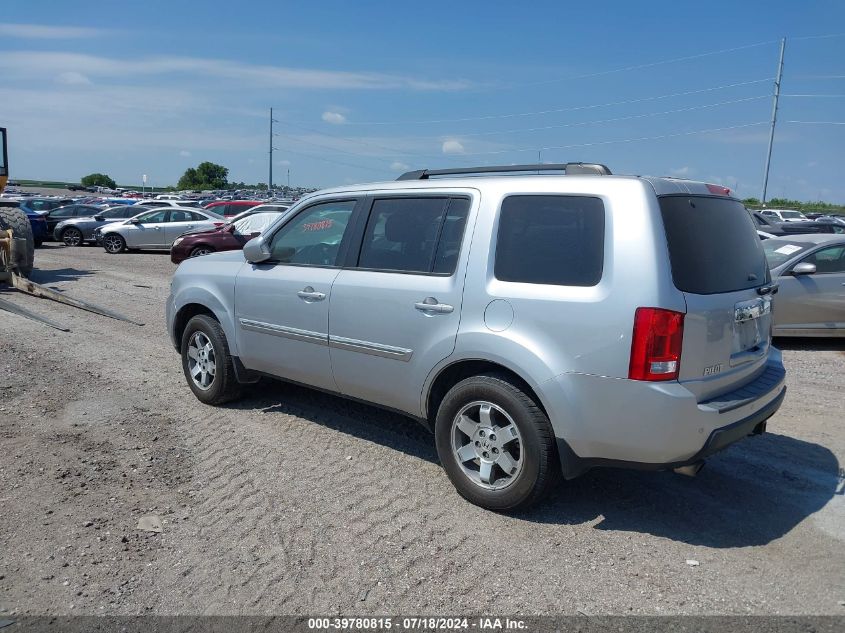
(569, 168)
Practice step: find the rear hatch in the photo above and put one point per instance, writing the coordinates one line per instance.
(719, 264)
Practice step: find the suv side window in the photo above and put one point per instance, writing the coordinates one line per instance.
(828, 260)
(416, 235)
(548, 239)
(313, 237)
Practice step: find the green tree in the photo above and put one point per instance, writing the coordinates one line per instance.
(97, 180)
(206, 175)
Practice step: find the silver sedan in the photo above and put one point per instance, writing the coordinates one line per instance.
(810, 272)
(156, 229)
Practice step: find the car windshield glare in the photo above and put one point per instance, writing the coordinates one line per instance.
(780, 251)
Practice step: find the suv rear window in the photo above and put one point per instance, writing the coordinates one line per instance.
(713, 245)
(551, 240)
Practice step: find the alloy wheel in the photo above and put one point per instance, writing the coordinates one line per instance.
(72, 237)
(487, 445)
(113, 243)
(202, 364)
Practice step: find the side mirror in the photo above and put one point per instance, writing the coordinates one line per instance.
(134, 221)
(804, 268)
(256, 251)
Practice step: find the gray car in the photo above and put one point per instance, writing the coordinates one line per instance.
(155, 229)
(78, 231)
(810, 273)
(540, 325)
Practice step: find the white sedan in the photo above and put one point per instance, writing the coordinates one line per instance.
(155, 229)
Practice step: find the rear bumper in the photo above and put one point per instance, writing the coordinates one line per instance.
(601, 421)
(719, 439)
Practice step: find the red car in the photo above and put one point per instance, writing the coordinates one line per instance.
(230, 237)
(229, 208)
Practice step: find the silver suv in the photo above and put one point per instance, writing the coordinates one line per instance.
(540, 324)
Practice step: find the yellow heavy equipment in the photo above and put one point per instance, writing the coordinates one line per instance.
(17, 255)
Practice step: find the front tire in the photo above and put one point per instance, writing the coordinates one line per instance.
(114, 243)
(495, 443)
(207, 363)
(199, 251)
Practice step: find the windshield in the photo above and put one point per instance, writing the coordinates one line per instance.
(779, 251)
(791, 214)
(255, 223)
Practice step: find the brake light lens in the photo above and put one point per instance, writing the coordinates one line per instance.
(718, 190)
(656, 344)
(217, 225)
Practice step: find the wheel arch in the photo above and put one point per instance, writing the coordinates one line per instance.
(201, 301)
(448, 376)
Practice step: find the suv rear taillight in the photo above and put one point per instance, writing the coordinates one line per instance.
(656, 344)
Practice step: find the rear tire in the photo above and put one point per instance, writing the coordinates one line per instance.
(496, 444)
(15, 219)
(72, 236)
(207, 363)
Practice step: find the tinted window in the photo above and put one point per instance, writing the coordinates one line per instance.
(314, 235)
(551, 240)
(414, 234)
(713, 245)
(126, 212)
(197, 217)
(828, 260)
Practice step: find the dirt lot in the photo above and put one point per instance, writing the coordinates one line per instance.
(292, 501)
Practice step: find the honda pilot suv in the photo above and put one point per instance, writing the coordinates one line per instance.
(540, 324)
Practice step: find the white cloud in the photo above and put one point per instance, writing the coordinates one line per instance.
(681, 171)
(45, 32)
(452, 147)
(73, 78)
(398, 166)
(24, 64)
(184, 153)
(335, 118)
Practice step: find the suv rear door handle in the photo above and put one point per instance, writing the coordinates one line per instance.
(309, 294)
(430, 305)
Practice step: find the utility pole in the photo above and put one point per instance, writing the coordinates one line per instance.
(774, 119)
(270, 181)
(289, 179)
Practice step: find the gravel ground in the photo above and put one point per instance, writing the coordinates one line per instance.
(293, 501)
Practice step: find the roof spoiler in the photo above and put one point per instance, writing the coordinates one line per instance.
(570, 169)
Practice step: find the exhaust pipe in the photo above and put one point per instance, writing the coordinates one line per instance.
(691, 470)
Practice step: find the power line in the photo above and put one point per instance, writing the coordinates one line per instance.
(830, 96)
(628, 140)
(336, 162)
(816, 37)
(647, 65)
(819, 122)
(569, 109)
(611, 120)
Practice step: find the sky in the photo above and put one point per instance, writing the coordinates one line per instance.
(364, 91)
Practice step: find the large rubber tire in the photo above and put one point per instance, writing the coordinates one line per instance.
(224, 387)
(540, 468)
(15, 219)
